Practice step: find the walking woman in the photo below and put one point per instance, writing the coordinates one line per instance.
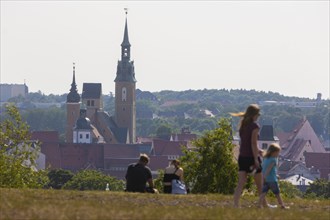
(248, 160)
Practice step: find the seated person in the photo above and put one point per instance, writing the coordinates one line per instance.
(138, 175)
(172, 172)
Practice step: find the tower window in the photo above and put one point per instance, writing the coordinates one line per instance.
(123, 94)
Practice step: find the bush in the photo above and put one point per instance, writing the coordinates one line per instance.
(319, 188)
(93, 180)
(158, 182)
(58, 178)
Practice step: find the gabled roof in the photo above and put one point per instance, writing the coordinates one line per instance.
(92, 91)
(302, 131)
(295, 149)
(168, 148)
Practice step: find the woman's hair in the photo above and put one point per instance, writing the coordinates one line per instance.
(247, 116)
(176, 163)
(271, 149)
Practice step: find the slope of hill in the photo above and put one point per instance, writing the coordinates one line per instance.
(59, 204)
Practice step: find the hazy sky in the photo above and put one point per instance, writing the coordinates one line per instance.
(274, 46)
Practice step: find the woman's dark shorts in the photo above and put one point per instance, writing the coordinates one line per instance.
(247, 164)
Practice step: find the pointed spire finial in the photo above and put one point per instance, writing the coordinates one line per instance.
(74, 73)
(125, 42)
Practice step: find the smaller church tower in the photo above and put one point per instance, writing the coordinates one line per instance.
(72, 108)
(125, 110)
(82, 132)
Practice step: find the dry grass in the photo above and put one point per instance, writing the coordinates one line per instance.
(53, 204)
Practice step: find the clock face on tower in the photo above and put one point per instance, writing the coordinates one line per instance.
(123, 94)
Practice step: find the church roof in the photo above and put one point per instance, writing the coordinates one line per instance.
(125, 40)
(119, 132)
(73, 96)
(92, 91)
(83, 123)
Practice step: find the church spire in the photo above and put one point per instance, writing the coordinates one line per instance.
(73, 95)
(125, 45)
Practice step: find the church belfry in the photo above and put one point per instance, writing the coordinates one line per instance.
(125, 110)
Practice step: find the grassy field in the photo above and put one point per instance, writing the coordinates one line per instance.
(54, 204)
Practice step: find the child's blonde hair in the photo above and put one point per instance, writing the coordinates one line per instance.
(271, 149)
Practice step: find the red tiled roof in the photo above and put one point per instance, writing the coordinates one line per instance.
(121, 151)
(45, 136)
(295, 149)
(320, 161)
(158, 162)
(168, 148)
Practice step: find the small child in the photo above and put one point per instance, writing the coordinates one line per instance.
(269, 171)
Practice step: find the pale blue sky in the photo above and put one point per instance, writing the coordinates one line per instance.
(274, 46)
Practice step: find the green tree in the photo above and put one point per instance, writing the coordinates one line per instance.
(164, 132)
(93, 180)
(320, 187)
(58, 178)
(17, 154)
(158, 182)
(211, 168)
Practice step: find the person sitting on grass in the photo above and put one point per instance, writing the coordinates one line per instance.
(172, 172)
(138, 175)
(269, 170)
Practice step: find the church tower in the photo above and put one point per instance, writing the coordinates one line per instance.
(125, 110)
(72, 108)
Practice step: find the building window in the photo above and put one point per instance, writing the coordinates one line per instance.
(92, 103)
(87, 136)
(264, 146)
(88, 103)
(123, 94)
(80, 136)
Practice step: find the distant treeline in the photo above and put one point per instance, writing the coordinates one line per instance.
(199, 110)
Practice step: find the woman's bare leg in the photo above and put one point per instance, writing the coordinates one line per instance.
(258, 179)
(242, 177)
